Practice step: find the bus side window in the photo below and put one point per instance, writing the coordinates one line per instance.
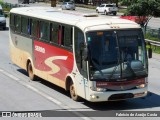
(12, 22)
(59, 34)
(62, 35)
(24, 25)
(68, 37)
(44, 31)
(54, 33)
(29, 27)
(18, 23)
(65, 36)
(35, 28)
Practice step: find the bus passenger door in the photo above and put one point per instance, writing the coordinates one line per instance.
(81, 78)
(81, 65)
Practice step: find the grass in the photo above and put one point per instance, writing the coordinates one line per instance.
(154, 49)
(122, 10)
(86, 6)
(148, 36)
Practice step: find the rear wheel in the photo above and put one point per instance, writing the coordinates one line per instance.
(105, 12)
(73, 94)
(30, 71)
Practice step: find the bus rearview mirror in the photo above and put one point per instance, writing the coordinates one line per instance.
(85, 54)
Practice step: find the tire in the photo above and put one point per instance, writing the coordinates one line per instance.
(73, 95)
(30, 71)
(115, 13)
(97, 11)
(105, 12)
(4, 28)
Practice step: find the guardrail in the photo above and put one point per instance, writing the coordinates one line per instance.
(154, 43)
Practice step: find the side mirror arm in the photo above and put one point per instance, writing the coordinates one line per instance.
(149, 50)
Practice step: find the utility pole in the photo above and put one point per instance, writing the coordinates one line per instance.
(53, 3)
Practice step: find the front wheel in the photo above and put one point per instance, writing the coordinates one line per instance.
(114, 13)
(73, 94)
(97, 11)
(4, 28)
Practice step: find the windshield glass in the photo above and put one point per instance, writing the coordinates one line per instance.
(116, 55)
(1, 13)
(110, 5)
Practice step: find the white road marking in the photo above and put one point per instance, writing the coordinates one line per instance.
(53, 100)
(86, 118)
(43, 94)
(9, 75)
(31, 87)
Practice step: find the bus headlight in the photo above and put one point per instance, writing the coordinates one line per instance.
(101, 89)
(98, 89)
(141, 86)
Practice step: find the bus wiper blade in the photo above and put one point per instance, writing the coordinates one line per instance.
(112, 73)
(97, 68)
(130, 68)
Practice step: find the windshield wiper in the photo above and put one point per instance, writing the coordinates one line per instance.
(118, 58)
(115, 68)
(130, 68)
(97, 67)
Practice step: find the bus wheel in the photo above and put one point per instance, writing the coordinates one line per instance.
(73, 94)
(30, 71)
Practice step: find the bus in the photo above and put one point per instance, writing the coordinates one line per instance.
(90, 56)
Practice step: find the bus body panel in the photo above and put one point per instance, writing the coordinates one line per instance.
(21, 50)
(52, 63)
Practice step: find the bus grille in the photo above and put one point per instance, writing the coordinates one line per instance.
(121, 96)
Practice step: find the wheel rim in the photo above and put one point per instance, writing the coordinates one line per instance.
(72, 91)
(105, 12)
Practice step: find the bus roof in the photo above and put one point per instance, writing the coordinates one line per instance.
(84, 22)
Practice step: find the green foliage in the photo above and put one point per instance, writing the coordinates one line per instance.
(1, 2)
(148, 36)
(144, 8)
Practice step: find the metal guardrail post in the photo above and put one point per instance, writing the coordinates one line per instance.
(159, 33)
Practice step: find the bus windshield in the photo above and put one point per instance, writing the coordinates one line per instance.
(116, 55)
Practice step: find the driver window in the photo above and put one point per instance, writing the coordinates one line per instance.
(79, 41)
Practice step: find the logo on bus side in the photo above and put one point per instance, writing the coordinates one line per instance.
(54, 68)
(39, 49)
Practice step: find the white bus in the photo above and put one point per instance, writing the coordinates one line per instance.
(95, 58)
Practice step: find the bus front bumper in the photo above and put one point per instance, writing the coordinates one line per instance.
(95, 96)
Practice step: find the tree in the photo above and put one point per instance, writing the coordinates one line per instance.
(86, 2)
(53, 3)
(148, 8)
